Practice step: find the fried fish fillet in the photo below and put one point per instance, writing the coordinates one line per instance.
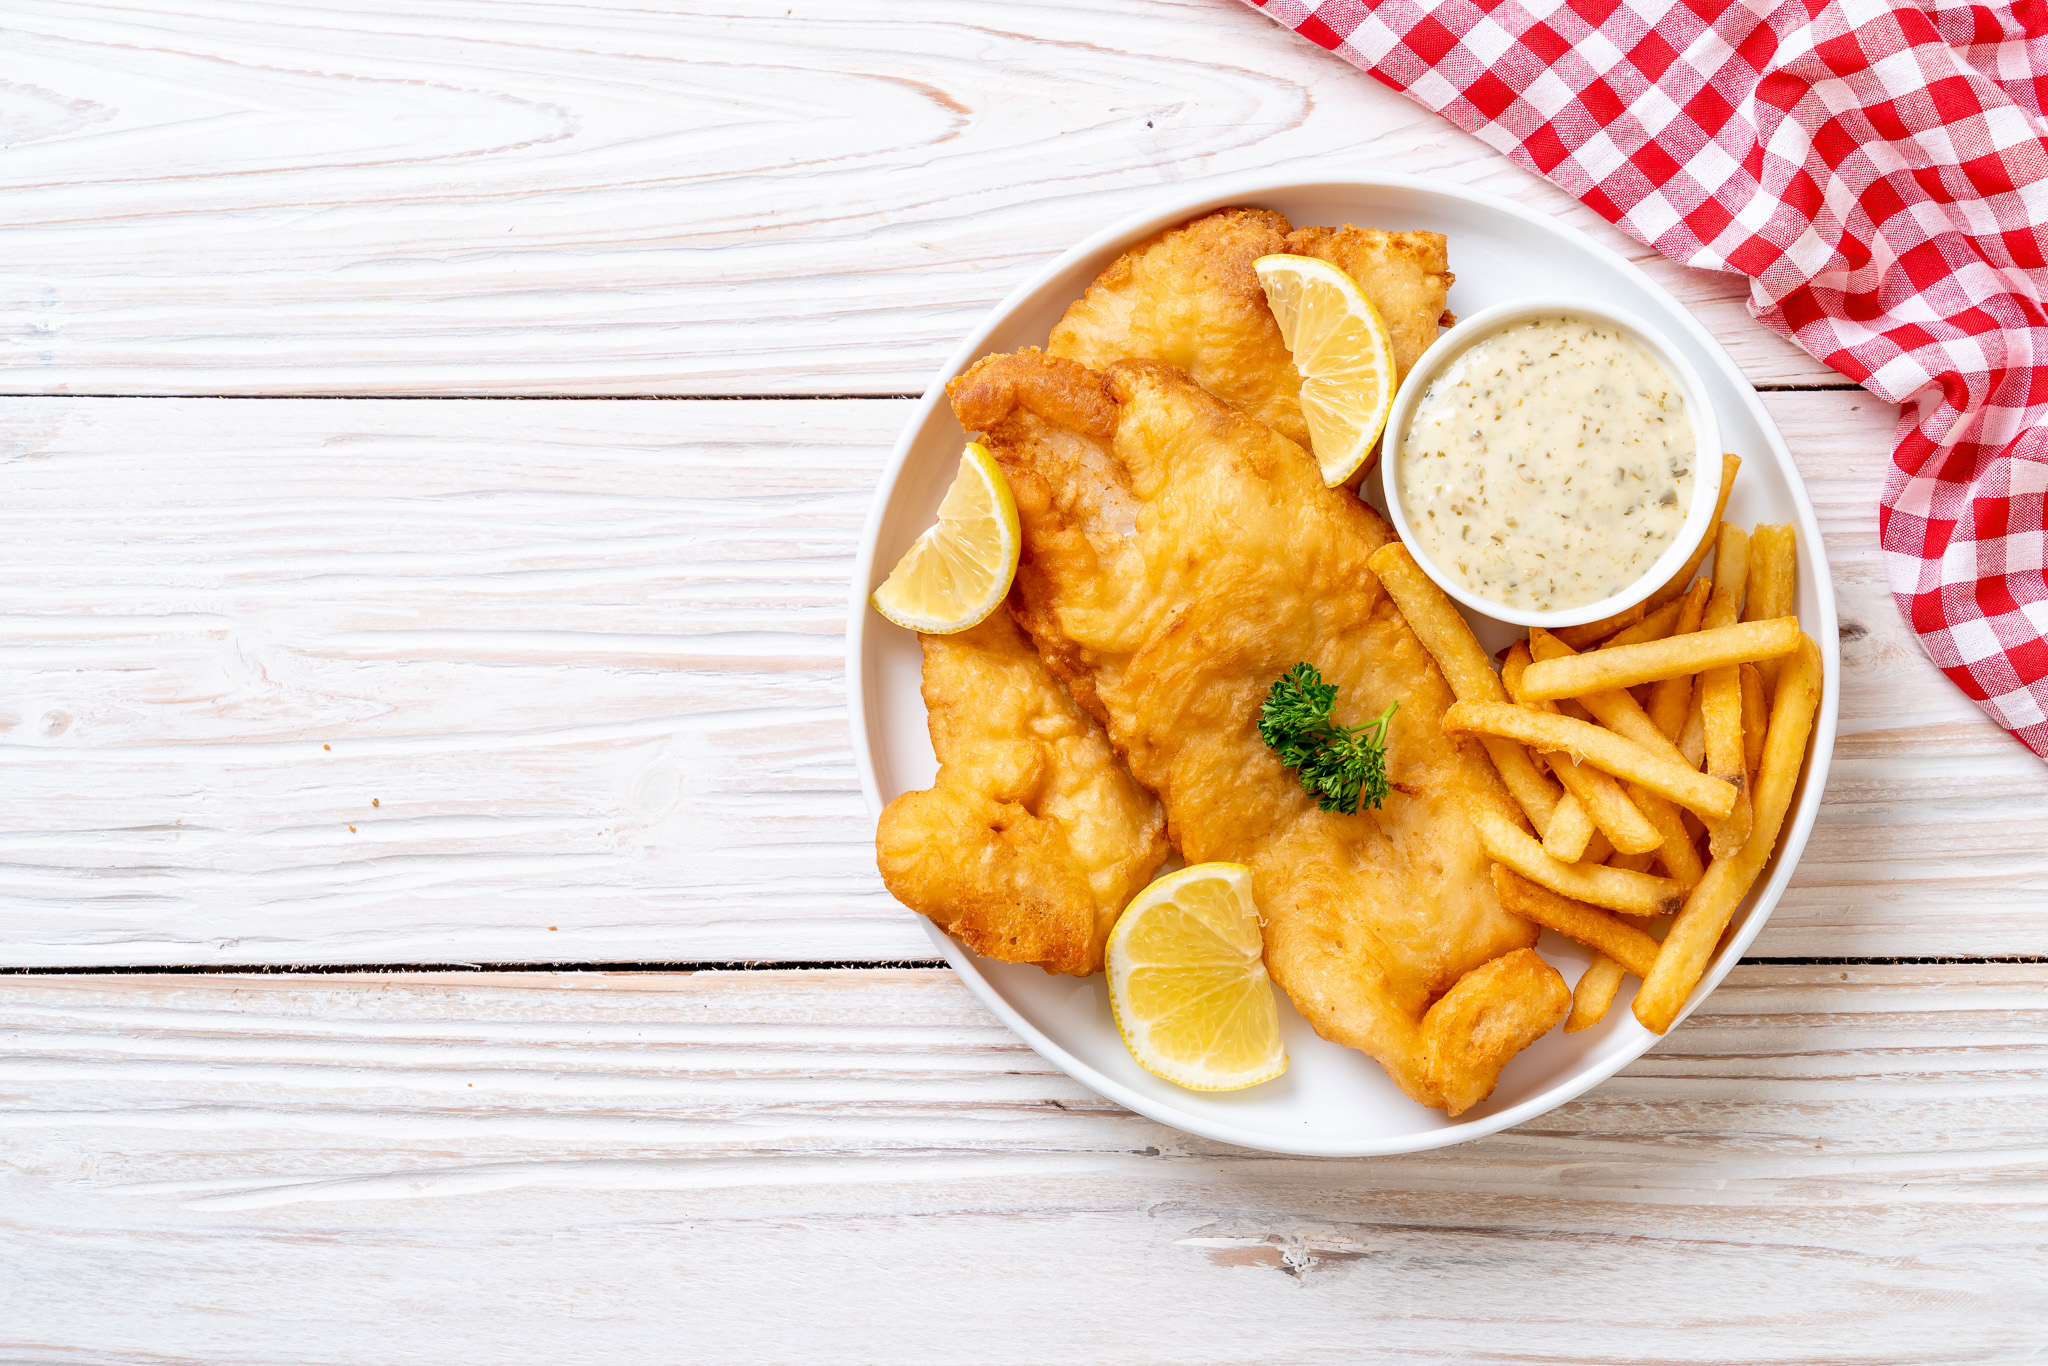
(1033, 837)
(1190, 297)
(1178, 558)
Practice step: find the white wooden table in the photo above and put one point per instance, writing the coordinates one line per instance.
(433, 445)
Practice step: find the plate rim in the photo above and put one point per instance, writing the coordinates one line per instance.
(1224, 193)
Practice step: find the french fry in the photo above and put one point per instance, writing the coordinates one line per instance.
(1624, 666)
(1489, 788)
(1634, 863)
(1756, 715)
(1609, 808)
(1450, 642)
(1571, 830)
(1682, 959)
(1773, 583)
(1513, 666)
(1589, 925)
(1773, 572)
(1731, 579)
(1671, 698)
(1623, 715)
(1721, 717)
(1614, 813)
(1655, 626)
(1438, 625)
(1591, 744)
(1692, 741)
(1680, 856)
(1616, 889)
(1721, 686)
(1534, 795)
(1574, 837)
(1593, 632)
(1726, 836)
(1594, 994)
(1729, 465)
(1720, 697)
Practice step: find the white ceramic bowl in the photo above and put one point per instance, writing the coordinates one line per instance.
(1333, 1101)
(1706, 432)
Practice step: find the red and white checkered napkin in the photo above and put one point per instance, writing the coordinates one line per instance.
(1879, 171)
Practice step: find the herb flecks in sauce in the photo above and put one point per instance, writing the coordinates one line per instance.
(1549, 464)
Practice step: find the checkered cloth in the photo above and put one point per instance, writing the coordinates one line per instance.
(1880, 173)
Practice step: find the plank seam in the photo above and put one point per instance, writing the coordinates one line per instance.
(358, 969)
(490, 398)
(1815, 388)
(1930, 960)
(799, 965)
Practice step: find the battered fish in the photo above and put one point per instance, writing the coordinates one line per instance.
(1190, 297)
(1180, 556)
(1034, 837)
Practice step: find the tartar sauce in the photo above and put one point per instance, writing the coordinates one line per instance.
(1549, 464)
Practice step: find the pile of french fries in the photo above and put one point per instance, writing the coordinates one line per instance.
(1646, 761)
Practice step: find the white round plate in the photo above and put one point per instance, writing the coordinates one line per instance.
(1332, 1101)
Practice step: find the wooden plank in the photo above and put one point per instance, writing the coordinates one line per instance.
(587, 659)
(695, 197)
(1825, 1165)
(1935, 828)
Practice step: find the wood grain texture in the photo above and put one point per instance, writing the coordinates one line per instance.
(1935, 828)
(688, 197)
(1824, 1165)
(587, 658)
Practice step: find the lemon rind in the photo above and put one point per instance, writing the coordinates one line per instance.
(1009, 542)
(1136, 1040)
(1339, 466)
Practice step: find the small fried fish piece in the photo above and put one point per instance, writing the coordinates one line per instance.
(1034, 836)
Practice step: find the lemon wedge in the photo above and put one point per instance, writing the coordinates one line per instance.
(1188, 984)
(1343, 352)
(957, 572)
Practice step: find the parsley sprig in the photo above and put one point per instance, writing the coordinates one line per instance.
(1344, 768)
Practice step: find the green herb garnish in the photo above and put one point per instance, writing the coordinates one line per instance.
(1344, 768)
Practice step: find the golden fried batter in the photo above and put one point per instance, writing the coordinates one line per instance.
(1179, 557)
(1407, 276)
(1190, 297)
(1033, 837)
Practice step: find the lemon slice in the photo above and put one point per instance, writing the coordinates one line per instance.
(1343, 352)
(1188, 984)
(956, 573)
